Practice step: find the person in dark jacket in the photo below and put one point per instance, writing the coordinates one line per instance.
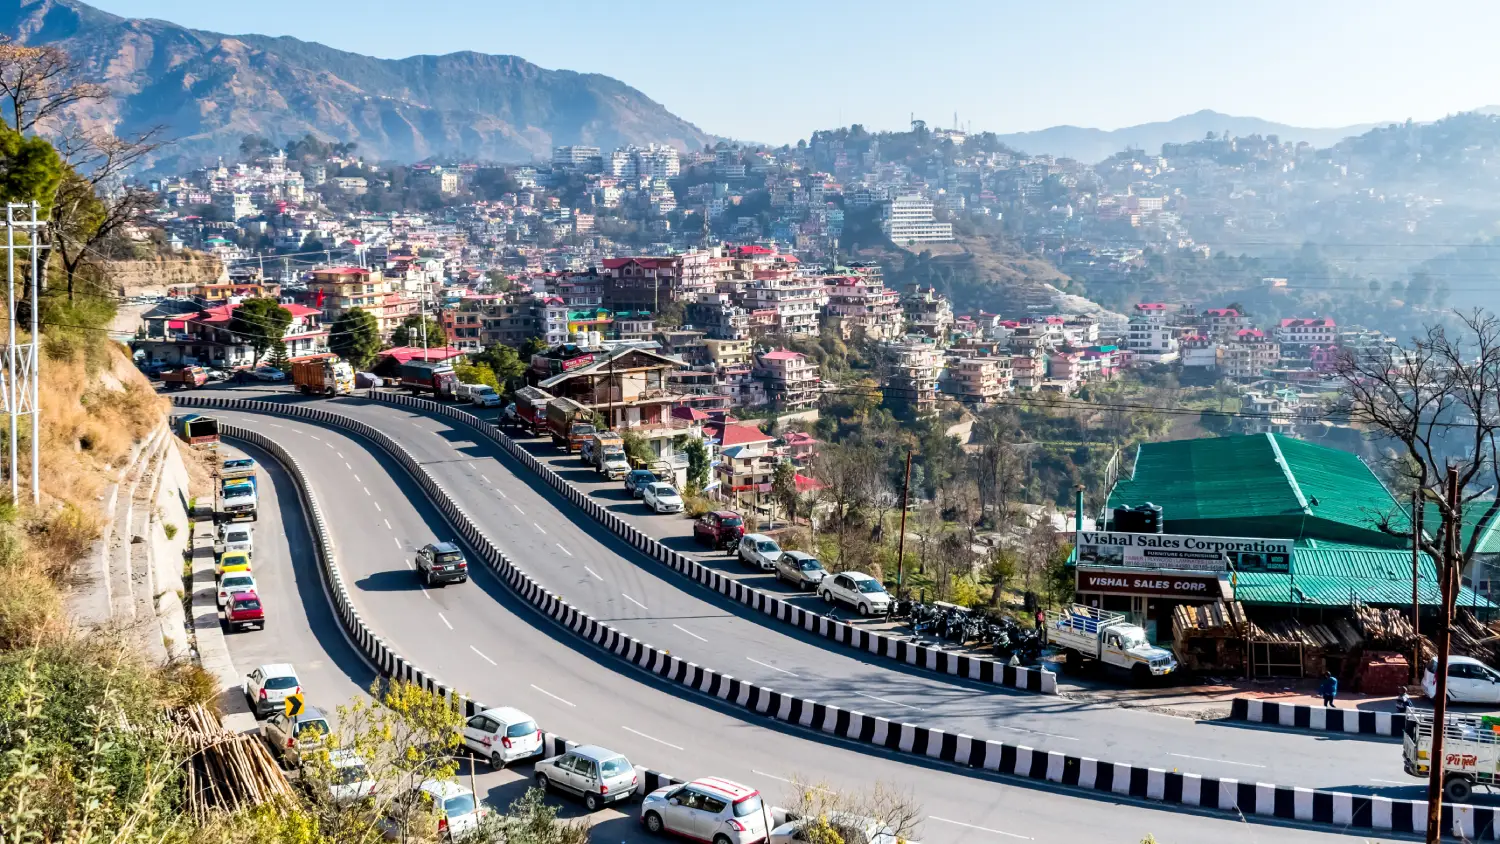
(1329, 688)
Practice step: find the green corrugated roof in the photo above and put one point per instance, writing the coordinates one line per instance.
(1489, 542)
(1324, 576)
(1265, 485)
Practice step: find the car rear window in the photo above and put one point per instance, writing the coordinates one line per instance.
(767, 547)
(458, 806)
(312, 729)
(247, 604)
(523, 728)
(732, 521)
(614, 767)
(350, 774)
(747, 806)
(453, 557)
(870, 586)
(811, 565)
(239, 536)
(232, 582)
(281, 682)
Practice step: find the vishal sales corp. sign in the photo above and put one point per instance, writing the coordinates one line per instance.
(1189, 586)
(1182, 552)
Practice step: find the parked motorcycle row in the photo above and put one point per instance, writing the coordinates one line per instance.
(1009, 640)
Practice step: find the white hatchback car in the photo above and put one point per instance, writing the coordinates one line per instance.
(1469, 681)
(710, 809)
(662, 498)
(267, 687)
(856, 589)
(503, 735)
(759, 550)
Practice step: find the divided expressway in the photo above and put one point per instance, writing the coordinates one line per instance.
(481, 638)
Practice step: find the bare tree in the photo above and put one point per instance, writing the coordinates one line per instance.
(94, 204)
(1437, 402)
(832, 816)
(847, 474)
(38, 83)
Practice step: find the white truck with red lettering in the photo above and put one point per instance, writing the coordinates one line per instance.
(1471, 751)
(1086, 633)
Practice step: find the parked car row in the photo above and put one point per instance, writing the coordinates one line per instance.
(234, 548)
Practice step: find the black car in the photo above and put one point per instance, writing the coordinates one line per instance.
(441, 563)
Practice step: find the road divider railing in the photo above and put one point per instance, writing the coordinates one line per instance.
(1320, 718)
(1249, 799)
(911, 653)
(380, 654)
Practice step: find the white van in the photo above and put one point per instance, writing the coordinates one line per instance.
(481, 394)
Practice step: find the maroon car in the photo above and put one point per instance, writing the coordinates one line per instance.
(720, 528)
(244, 610)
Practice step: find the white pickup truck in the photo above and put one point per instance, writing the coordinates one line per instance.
(1471, 751)
(1085, 633)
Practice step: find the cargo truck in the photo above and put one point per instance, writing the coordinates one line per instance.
(605, 452)
(195, 429)
(323, 377)
(568, 424)
(529, 410)
(188, 376)
(1086, 633)
(435, 377)
(237, 500)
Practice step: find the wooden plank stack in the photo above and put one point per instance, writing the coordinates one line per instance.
(1387, 629)
(1207, 637)
(1216, 619)
(226, 771)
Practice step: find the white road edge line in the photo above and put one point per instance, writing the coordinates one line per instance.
(652, 738)
(888, 700)
(690, 633)
(1220, 761)
(980, 828)
(482, 656)
(564, 550)
(553, 696)
(591, 571)
(770, 666)
(446, 621)
(637, 603)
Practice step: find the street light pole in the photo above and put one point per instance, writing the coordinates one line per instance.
(901, 540)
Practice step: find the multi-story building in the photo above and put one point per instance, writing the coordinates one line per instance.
(552, 313)
(1151, 342)
(1223, 322)
(628, 387)
(739, 382)
(1199, 352)
(1318, 331)
(725, 353)
(859, 303)
(716, 314)
(791, 379)
(1249, 354)
(204, 338)
(634, 325)
(511, 323)
(747, 463)
(979, 380)
(909, 376)
(909, 220)
(577, 157)
(641, 283)
(337, 289)
(1028, 370)
(796, 300)
(927, 312)
(1151, 313)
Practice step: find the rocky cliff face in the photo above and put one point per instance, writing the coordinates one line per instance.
(210, 90)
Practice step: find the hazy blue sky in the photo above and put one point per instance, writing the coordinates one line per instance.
(774, 70)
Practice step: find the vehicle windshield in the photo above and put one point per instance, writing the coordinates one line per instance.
(350, 774)
(308, 730)
(281, 682)
(524, 728)
(235, 560)
(239, 492)
(232, 582)
(615, 767)
(870, 586)
(451, 557)
(749, 806)
(767, 547)
(241, 536)
(811, 565)
(459, 806)
(1130, 641)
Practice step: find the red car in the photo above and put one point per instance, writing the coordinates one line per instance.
(244, 610)
(720, 528)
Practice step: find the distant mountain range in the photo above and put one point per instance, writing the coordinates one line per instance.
(210, 90)
(1092, 145)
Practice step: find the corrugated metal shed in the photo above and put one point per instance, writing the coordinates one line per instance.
(1327, 577)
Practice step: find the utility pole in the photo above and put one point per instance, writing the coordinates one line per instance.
(901, 540)
(1447, 570)
(1416, 606)
(19, 386)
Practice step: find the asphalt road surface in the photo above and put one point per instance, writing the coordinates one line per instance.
(493, 646)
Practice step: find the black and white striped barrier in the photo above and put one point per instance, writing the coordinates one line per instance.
(386, 660)
(1320, 718)
(1266, 800)
(910, 653)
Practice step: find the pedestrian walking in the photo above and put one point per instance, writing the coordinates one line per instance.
(1041, 619)
(1329, 689)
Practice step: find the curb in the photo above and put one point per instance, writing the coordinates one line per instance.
(909, 653)
(1321, 719)
(1266, 800)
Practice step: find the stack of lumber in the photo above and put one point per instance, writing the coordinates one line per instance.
(226, 771)
(1386, 629)
(1216, 619)
(1473, 638)
(1339, 636)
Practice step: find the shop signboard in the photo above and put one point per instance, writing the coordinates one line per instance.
(1201, 587)
(1182, 552)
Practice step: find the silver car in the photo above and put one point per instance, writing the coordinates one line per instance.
(597, 775)
(800, 569)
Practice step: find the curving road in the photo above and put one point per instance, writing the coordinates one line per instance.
(578, 559)
(481, 638)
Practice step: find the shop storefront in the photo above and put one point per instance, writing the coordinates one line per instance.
(1149, 597)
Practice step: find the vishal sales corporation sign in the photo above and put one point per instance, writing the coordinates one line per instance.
(1182, 552)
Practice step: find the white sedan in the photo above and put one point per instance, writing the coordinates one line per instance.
(269, 373)
(662, 498)
(232, 582)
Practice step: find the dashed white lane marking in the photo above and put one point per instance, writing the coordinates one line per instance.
(1035, 732)
(980, 828)
(634, 601)
(772, 667)
(274, 425)
(330, 446)
(502, 493)
(553, 696)
(377, 507)
(314, 437)
(892, 702)
(425, 593)
(482, 656)
(1220, 761)
(518, 509)
(564, 550)
(482, 477)
(652, 738)
(472, 466)
(690, 633)
(398, 545)
(367, 491)
(591, 571)
(539, 528)
(446, 621)
(357, 480)
(347, 466)
(341, 456)
(388, 527)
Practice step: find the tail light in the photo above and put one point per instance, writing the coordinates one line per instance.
(634, 779)
(539, 736)
(291, 742)
(505, 742)
(442, 823)
(736, 825)
(262, 694)
(603, 789)
(462, 564)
